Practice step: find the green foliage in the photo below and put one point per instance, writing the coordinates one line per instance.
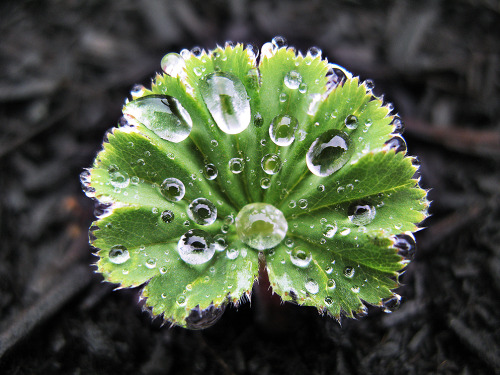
(227, 159)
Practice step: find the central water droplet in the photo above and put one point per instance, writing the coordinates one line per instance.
(271, 163)
(329, 152)
(300, 257)
(361, 213)
(173, 64)
(282, 130)
(172, 189)
(163, 115)
(227, 101)
(293, 79)
(202, 211)
(196, 247)
(261, 225)
(118, 254)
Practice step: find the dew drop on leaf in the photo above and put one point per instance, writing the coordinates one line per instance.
(351, 122)
(329, 300)
(282, 130)
(236, 165)
(258, 120)
(202, 211)
(172, 189)
(396, 143)
(370, 85)
(312, 286)
(361, 213)
(196, 247)
(330, 230)
(220, 242)
(349, 272)
(331, 284)
(173, 64)
(398, 125)
(392, 303)
(328, 153)
(167, 216)
(151, 263)
(261, 225)
(181, 300)
(118, 254)
(119, 179)
(303, 203)
(405, 244)
(210, 171)
(278, 42)
(265, 183)
(314, 52)
(227, 100)
(163, 115)
(293, 79)
(300, 257)
(271, 163)
(201, 319)
(232, 253)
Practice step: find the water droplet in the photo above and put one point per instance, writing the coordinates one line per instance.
(202, 211)
(118, 179)
(351, 122)
(271, 163)
(197, 51)
(312, 286)
(258, 120)
(396, 143)
(261, 226)
(236, 165)
(227, 101)
(321, 188)
(292, 204)
(300, 257)
(163, 115)
(118, 254)
(201, 319)
(330, 230)
(370, 85)
(265, 183)
(336, 75)
(181, 300)
(172, 189)
(303, 88)
(210, 171)
(278, 42)
(398, 125)
(282, 130)
(328, 153)
(392, 303)
(196, 247)
(167, 216)
(405, 243)
(303, 203)
(331, 284)
(173, 64)
(361, 213)
(314, 52)
(293, 79)
(329, 301)
(220, 242)
(214, 143)
(232, 253)
(349, 272)
(151, 263)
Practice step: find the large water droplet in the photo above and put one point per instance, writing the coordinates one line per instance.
(118, 254)
(167, 216)
(202, 211)
(172, 189)
(119, 179)
(329, 152)
(293, 79)
(406, 246)
(261, 225)
(300, 257)
(271, 163)
(351, 122)
(196, 247)
(227, 101)
(173, 64)
(236, 165)
(265, 183)
(312, 286)
(163, 115)
(282, 130)
(361, 213)
(349, 272)
(210, 171)
(201, 319)
(398, 124)
(397, 143)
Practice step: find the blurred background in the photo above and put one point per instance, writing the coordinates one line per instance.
(66, 68)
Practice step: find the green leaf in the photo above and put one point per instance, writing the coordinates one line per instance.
(227, 160)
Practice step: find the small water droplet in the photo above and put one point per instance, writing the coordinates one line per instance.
(210, 171)
(214, 143)
(220, 242)
(226, 98)
(278, 42)
(118, 179)
(232, 253)
(118, 254)
(300, 257)
(398, 125)
(361, 213)
(312, 286)
(392, 303)
(330, 230)
(289, 242)
(282, 130)
(321, 188)
(328, 300)
(162, 114)
(196, 247)
(331, 283)
(396, 143)
(236, 165)
(151, 263)
(172, 189)
(181, 300)
(405, 243)
(351, 122)
(173, 64)
(293, 79)
(303, 203)
(370, 85)
(271, 163)
(349, 272)
(258, 120)
(261, 226)
(314, 52)
(201, 319)
(265, 183)
(328, 153)
(202, 211)
(292, 204)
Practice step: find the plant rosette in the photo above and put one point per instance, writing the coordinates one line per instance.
(230, 159)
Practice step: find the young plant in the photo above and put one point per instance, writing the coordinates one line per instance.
(230, 159)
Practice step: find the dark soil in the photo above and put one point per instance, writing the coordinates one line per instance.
(66, 67)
